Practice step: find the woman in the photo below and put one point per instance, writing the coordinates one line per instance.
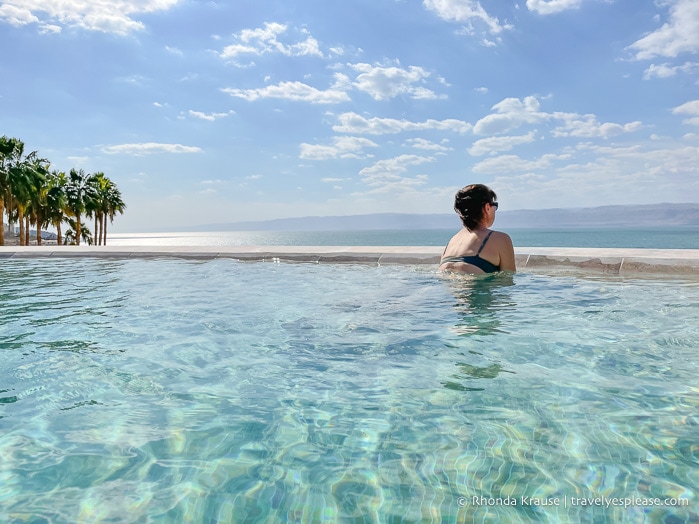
(476, 249)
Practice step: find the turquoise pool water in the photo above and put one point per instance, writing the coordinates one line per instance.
(177, 391)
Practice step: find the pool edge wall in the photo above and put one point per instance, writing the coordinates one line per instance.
(665, 262)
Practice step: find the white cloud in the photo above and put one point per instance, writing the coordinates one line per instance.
(424, 144)
(618, 150)
(489, 43)
(641, 175)
(266, 40)
(587, 126)
(667, 71)
(389, 171)
(96, 15)
(354, 123)
(17, 15)
(50, 29)
(499, 143)
(689, 108)
(149, 148)
(295, 91)
(465, 11)
(174, 50)
(513, 164)
(510, 114)
(384, 83)
(136, 80)
(380, 82)
(400, 186)
(549, 7)
(679, 35)
(207, 116)
(343, 147)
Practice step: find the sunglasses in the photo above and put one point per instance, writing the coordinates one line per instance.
(494, 204)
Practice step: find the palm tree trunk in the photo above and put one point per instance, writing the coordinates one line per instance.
(104, 229)
(96, 236)
(27, 224)
(38, 232)
(21, 226)
(77, 230)
(10, 223)
(59, 236)
(2, 223)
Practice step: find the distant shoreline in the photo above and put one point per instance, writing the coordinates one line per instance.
(667, 227)
(631, 216)
(686, 237)
(11, 240)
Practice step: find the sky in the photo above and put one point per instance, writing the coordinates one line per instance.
(207, 112)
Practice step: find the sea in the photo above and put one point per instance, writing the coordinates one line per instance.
(684, 237)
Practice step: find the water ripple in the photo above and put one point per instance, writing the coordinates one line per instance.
(165, 390)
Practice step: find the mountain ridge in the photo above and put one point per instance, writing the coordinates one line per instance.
(648, 215)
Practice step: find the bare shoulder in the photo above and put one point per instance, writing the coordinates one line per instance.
(501, 238)
(456, 237)
(503, 244)
(457, 240)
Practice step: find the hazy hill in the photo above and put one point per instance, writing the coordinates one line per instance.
(652, 215)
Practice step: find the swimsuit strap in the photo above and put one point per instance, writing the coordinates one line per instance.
(483, 244)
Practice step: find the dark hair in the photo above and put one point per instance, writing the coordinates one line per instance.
(469, 202)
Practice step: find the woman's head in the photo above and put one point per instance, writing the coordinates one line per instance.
(470, 202)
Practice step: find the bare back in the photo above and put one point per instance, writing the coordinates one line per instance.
(493, 247)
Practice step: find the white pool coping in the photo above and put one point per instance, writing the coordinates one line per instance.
(617, 261)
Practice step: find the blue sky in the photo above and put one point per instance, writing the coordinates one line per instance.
(210, 112)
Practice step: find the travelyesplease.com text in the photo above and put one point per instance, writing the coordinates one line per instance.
(568, 501)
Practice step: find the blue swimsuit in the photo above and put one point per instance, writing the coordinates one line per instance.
(475, 260)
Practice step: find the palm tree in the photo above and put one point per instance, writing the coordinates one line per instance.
(56, 203)
(116, 205)
(79, 196)
(100, 185)
(5, 152)
(72, 238)
(29, 194)
(14, 149)
(26, 176)
(47, 204)
(8, 153)
(107, 203)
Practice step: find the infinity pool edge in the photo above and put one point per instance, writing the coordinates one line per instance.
(621, 261)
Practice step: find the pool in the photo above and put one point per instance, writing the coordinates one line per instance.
(170, 390)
